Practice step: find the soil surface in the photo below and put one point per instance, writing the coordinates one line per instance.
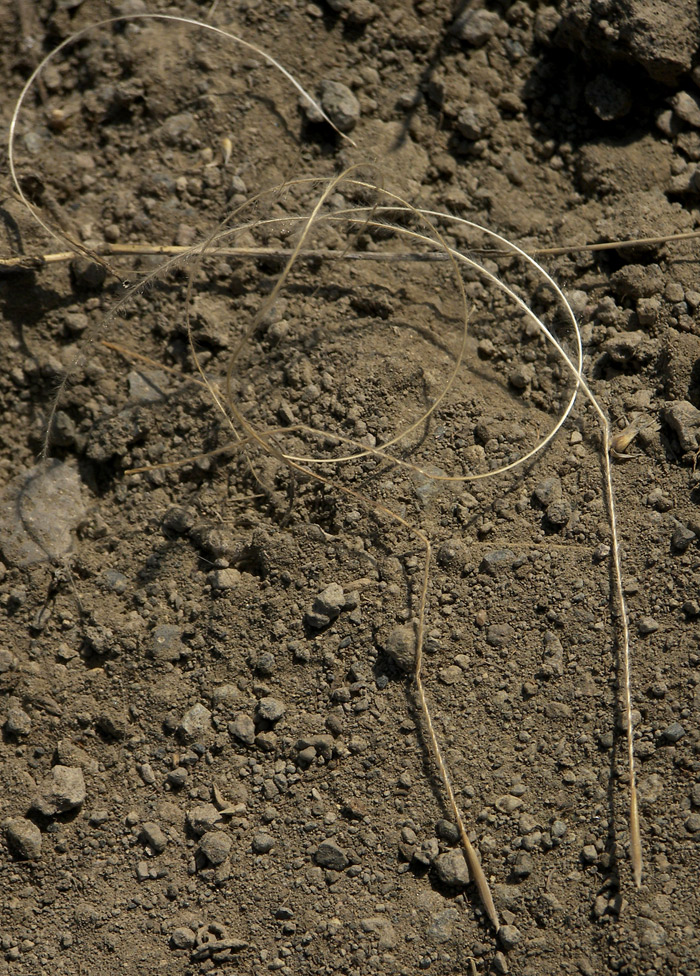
(212, 753)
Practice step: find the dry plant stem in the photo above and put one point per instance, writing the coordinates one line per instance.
(245, 434)
(24, 262)
(266, 442)
(576, 370)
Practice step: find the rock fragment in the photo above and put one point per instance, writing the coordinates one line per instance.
(23, 838)
(216, 847)
(152, 835)
(475, 27)
(269, 710)
(17, 722)
(401, 647)
(329, 855)
(62, 790)
(684, 420)
(451, 869)
(39, 509)
(340, 105)
(195, 723)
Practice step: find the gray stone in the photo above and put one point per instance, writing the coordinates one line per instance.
(497, 635)
(523, 866)
(472, 122)
(166, 643)
(447, 831)
(651, 933)
(203, 818)
(646, 626)
(216, 846)
(224, 579)
(329, 855)
(182, 938)
(340, 105)
(558, 513)
(401, 647)
(684, 420)
(451, 869)
(23, 838)
(330, 601)
(152, 835)
(269, 710)
(692, 824)
(687, 108)
(497, 563)
(682, 538)
(242, 728)
(177, 777)
(62, 790)
(548, 491)
(441, 925)
(195, 723)
(650, 789)
(39, 509)
(263, 843)
(17, 722)
(381, 926)
(673, 733)
(475, 27)
(508, 937)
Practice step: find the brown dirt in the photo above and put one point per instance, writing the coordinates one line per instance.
(193, 586)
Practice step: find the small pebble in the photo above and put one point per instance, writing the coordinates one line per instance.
(182, 938)
(340, 105)
(673, 733)
(523, 866)
(686, 108)
(216, 846)
(17, 723)
(508, 937)
(195, 723)
(269, 710)
(203, 818)
(263, 843)
(329, 855)
(401, 647)
(62, 790)
(692, 824)
(475, 27)
(23, 838)
(451, 869)
(442, 924)
(152, 835)
(242, 728)
(646, 625)
(682, 538)
(684, 420)
(177, 777)
(497, 563)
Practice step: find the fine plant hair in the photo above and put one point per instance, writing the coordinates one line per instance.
(418, 228)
